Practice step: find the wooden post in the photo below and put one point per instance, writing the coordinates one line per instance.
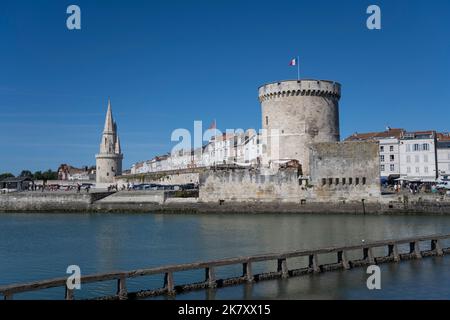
(168, 283)
(368, 255)
(7, 296)
(282, 267)
(313, 263)
(247, 271)
(436, 246)
(342, 258)
(210, 277)
(122, 288)
(415, 249)
(69, 294)
(393, 252)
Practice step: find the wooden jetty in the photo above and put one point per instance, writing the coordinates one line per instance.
(432, 243)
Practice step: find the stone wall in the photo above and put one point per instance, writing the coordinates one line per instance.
(340, 172)
(345, 171)
(163, 178)
(43, 201)
(242, 185)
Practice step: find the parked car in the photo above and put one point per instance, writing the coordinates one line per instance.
(443, 185)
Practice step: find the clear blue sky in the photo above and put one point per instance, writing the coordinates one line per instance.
(167, 63)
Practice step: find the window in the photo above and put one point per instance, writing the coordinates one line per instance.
(324, 181)
(391, 148)
(356, 181)
(416, 147)
(392, 167)
(426, 147)
(364, 180)
(408, 159)
(382, 149)
(382, 167)
(343, 181)
(392, 157)
(350, 180)
(417, 170)
(425, 158)
(107, 174)
(426, 169)
(416, 158)
(382, 158)
(267, 120)
(408, 170)
(337, 181)
(408, 148)
(330, 181)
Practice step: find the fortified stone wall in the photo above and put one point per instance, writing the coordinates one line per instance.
(340, 172)
(345, 171)
(242, 185)
(163, 178)
(42, 201)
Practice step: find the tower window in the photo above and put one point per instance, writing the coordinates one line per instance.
(267, 120)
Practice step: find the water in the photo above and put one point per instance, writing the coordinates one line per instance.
(41, 246)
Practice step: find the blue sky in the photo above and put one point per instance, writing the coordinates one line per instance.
(167, 63)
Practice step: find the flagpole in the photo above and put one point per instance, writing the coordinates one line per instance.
(298, 68)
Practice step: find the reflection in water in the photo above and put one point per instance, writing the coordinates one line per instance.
(41, 246)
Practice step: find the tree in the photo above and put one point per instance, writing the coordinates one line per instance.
(6, 175)
(26, 173)
(37, 175)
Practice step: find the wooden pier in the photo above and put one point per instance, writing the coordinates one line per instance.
(432, 243)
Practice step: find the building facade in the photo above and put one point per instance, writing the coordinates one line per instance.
(109, 159)
(418, 156)
(443, 154)
(413, 156)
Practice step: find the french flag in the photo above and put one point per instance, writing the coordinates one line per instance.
(293, 62)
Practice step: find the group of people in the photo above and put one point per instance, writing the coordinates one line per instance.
(414, 188)
(123, 187)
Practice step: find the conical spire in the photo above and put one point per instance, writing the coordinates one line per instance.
(109, 123)
(117, 146)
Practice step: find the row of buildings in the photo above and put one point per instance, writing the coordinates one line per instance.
(243, 149)
(404, 155)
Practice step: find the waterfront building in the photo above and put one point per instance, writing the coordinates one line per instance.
(109, 159)
(67, 172)
(418, 157)
(443, 154)
(389, 148)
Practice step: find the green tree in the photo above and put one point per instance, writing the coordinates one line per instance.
(26, 173)
(6, 175)
(37, 175)
(50, 175)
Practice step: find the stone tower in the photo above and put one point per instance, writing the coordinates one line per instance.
(297, 113)
(109, 159)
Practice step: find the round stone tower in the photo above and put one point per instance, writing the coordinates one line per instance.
(109, 159)
(297, 113)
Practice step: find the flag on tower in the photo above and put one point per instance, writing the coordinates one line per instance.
(293, 62)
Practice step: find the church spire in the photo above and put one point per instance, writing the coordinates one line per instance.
(117, 146)
(109, 123)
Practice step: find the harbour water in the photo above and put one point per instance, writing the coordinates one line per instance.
(42, 246)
